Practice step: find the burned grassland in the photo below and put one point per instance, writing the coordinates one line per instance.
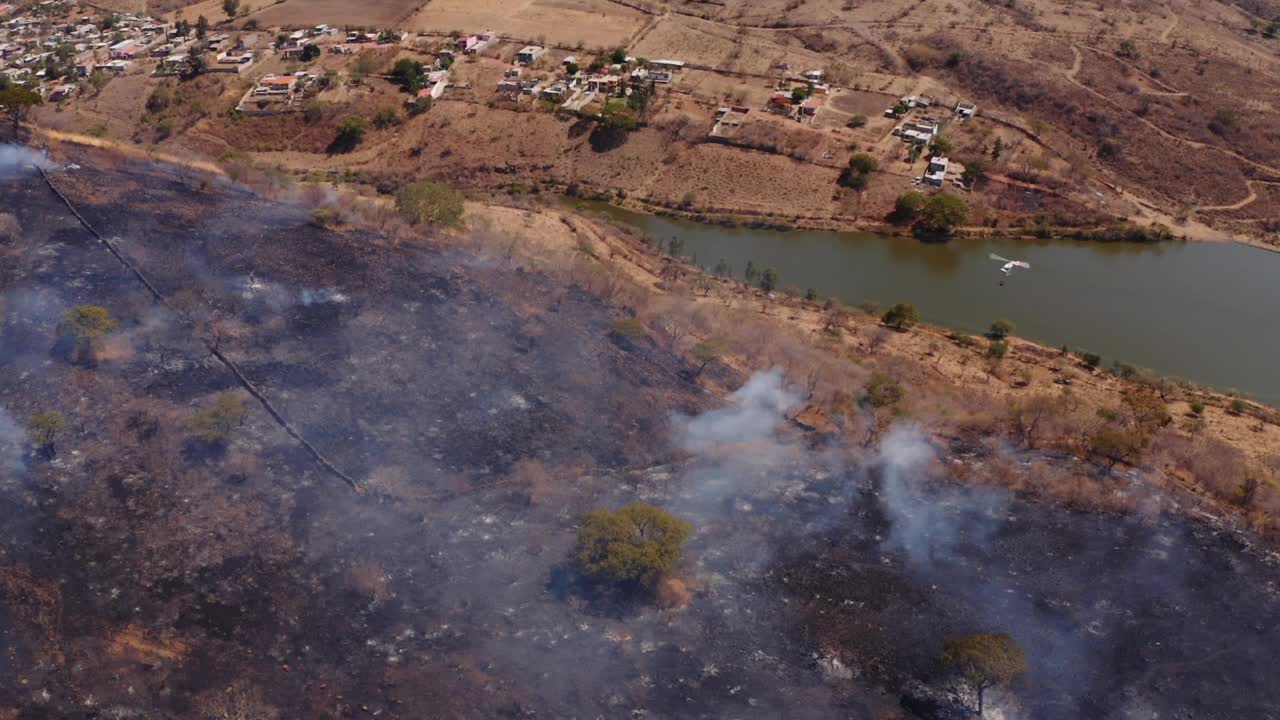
(171, 552)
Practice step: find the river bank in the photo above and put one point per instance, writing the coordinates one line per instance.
(1183, 309)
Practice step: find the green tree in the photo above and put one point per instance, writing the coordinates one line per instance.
(941, 145)
(310, 52)
(1111, 445)
(571, 69)
(629, 328)
(882, 391)
(633, 546)
(215, 423)
(430, 203)
(811, 295)
(997, 149)
(706, 351)
(984, 661)
(857, 121)
(350, 133)
(618, 56)
(386, 117)
(975, 169)
(769, 280)
(863, 163)
(941, 215)
(901, 316)
(1238, 406)
(799, 93)
(750, 273)
(409, 74)
(419, 105)
(998, 349)
(43, 429)
(83, 327)
(1001, 329)
(907, 207)
(202, 27)
(1128, 50)
(723, 269)
(231, 7)
(16, 103)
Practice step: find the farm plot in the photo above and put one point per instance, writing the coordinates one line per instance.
(567, 23)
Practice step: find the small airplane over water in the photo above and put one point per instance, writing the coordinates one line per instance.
(1010, 265)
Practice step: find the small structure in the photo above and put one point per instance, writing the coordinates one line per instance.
(965, 111)
(127, 50)
(58, 93)
(603, 83)
(175, 64)
(555, 93)
(936, 173)
(529, 54)
(276, 85)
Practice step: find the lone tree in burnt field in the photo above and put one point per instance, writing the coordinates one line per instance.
(633, 546)
(43, 430)
(983, 661)
(81, 331)
(214, 424)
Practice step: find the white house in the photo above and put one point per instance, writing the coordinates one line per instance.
(936, 173)
(529, 54)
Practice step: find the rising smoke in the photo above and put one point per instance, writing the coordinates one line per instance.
(16, 160)
(12, 440)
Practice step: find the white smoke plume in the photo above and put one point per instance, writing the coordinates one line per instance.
(928, 524)
(752, 416)
(12, 439)
(16, 160)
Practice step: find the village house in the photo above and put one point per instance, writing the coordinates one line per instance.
(58, 93)
(965, 111)
(936, 172)
(175, 64)
(276, 85)
(603, 83)
(530, 54)
(234, 57)
(127, 50)
(556, 92)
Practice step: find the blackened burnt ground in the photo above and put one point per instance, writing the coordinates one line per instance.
(485, 408)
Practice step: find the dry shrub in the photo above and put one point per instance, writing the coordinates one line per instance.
(369, 578)
(1216, 466)
(10, 228)
(531, 479)
(240, 701)
(673, 593)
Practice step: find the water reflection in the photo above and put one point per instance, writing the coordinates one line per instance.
(1203, 311)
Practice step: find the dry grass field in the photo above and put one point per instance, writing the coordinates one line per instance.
(1113, 106)
(567, 23)
(339, 13)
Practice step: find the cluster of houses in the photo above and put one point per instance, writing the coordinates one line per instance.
(277, 93)
(50, 48)
(45, 47)
(800, 101)
(576, 87)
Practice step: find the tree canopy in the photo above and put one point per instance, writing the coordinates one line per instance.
(16, 102)
(430, 203)
(940, 215)
(83, 327)
(634, 545)
(214, 423)
(901, 316)
(985, 660)
(882, 391)
(907, 207)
